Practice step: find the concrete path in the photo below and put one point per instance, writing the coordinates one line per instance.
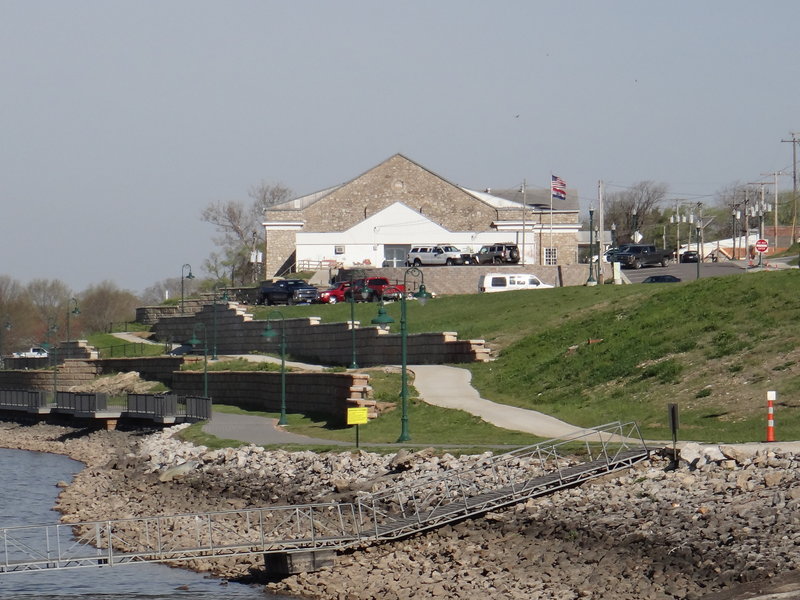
(262, 431)
(449, 387)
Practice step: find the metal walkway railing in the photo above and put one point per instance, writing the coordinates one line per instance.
(399, 511)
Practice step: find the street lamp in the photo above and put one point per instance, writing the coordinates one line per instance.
(75, 311)
(364, 295)
(225, 298)
(591, 280)
(699, 251)
(383, 320)
(52, 329)
(183, 276)
(194, 342)
(270, 334)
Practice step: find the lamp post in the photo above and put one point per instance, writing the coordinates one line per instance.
(270, 334)
(184, 276)
(591, 280)
(613, 235)
(52, 329)
(194, 342)
(699, 251)
(225, 298)
(75, 311)
(361, 274)
(383, 320)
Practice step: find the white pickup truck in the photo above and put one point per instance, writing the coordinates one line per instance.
(35, 352)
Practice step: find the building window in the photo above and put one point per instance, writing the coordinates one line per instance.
(394, 255)
(551, 256)
(338, 249)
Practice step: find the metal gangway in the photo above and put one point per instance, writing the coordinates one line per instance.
(401, 510)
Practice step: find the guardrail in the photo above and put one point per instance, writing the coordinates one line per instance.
(162, 408)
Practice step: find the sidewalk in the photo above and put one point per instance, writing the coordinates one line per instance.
(449, 387)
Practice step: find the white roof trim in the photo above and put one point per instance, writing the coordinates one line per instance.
(283, 225)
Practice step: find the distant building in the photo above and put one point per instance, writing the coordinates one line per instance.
(375, 218)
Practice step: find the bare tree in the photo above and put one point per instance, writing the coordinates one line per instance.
(103, 304)
(17, 320)
(266, 195)
(239, 226)
(635, 208)
(48, 298)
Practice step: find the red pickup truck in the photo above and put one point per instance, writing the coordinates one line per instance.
(377, 289)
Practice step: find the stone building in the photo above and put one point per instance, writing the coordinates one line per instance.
(374, 219)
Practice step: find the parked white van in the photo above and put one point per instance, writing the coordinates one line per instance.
(504, 282)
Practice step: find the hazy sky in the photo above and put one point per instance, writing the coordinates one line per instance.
(122, 120)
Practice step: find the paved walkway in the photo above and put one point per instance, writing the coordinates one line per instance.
(448, 387)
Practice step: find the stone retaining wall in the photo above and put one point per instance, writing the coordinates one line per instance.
(320, 343)
(321, 393)
(464, 279)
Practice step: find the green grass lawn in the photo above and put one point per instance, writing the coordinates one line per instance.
(714, 347)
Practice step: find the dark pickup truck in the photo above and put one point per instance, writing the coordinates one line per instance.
(636, 256)
(287, 291)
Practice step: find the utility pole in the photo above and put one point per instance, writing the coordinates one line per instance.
(601, 241)
(794, 141)
(524, 191)
(775, 204)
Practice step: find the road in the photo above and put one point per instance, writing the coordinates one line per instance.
(687, 271)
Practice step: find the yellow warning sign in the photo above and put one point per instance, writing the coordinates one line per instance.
(357, 416)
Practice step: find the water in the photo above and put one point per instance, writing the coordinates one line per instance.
(27, 494)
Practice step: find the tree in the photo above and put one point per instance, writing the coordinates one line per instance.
(16, 317)
(49, 299)
(103, 304)
(239, 225)
(635, 209)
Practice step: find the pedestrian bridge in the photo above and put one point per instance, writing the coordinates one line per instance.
(399, 511)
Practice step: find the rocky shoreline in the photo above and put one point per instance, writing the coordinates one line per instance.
(722, 525)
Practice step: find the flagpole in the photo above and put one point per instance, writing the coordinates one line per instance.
(524, 226)
(551, 214)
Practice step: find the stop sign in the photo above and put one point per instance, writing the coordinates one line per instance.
(762, 245)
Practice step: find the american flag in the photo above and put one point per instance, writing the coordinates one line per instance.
(558, 188)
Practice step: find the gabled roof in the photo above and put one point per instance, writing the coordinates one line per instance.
(304, 201)
(536, 198)
(498, 199)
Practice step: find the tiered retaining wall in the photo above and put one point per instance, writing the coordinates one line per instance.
(320, 343)
(321, 393)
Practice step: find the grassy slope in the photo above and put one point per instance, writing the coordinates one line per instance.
(713, 346)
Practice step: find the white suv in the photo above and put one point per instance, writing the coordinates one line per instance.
(440, 254)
